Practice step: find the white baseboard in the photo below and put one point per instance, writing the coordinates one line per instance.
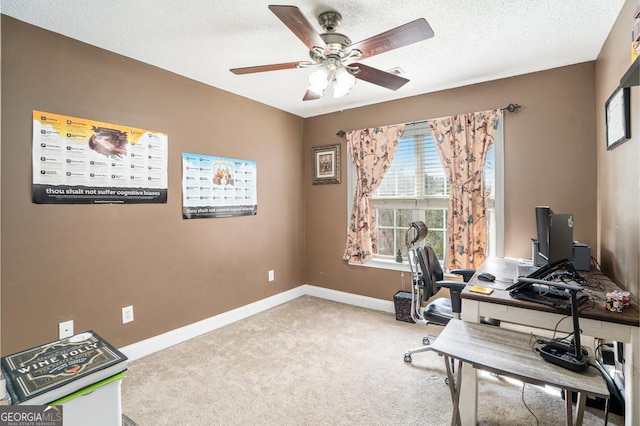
(162, 341)
(349, 298)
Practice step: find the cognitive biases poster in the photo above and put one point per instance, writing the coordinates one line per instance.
(81, 161)
(218, 187)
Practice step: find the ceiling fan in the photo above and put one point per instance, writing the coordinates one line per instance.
(333, 54)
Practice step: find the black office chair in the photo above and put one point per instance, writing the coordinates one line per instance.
(427, 280)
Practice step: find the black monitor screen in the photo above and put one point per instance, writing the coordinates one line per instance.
(555, 235)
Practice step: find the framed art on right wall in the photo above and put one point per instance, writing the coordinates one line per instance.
(618, 117)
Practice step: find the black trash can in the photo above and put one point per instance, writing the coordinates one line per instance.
(402, 304)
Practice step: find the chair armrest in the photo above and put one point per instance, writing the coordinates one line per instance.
(455, 289)
(466, 273)
(451, 285)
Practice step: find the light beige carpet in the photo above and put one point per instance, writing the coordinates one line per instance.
(317, 362)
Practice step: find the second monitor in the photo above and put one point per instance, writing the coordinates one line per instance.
(555, 235)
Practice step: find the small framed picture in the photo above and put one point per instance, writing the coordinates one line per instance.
(326, 164)
(618, 117)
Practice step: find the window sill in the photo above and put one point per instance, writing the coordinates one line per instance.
(386, 264)
(392, 265)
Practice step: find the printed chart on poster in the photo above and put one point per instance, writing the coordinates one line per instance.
(218, 187)
(80, 161)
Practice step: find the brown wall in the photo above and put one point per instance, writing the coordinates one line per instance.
(550, 159)
(618, 169)
(86, 262)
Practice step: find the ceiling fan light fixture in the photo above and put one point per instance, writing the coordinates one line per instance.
(343, 82)
(319, 79)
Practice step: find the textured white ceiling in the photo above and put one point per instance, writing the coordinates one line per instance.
(475, 40)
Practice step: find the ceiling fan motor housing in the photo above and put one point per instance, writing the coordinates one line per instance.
(336, 42)
(330, 20)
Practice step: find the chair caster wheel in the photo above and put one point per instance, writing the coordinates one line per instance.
(446, 381)
(425, 341)
(407, 358)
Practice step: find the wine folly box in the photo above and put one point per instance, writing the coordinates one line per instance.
(54, 370)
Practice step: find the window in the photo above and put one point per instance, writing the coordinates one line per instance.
(416, 188)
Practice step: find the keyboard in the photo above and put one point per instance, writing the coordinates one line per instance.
(535, 272)
(525, 270)
(528, 271)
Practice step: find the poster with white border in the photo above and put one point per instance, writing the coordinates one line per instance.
(81, 161)
(218, 187)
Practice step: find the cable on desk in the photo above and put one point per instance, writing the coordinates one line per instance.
(593, 282)
(598, 351)
(564, 272)
(565, 339)
(597, 264)
(592, 302)
(533, 341)
(555, 329)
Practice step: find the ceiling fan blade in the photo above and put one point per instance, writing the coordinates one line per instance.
(401, 36)
(263, 68)
(381, 78)
(299, 25)
(310, 96)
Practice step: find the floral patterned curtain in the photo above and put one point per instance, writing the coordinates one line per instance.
(372, 151)
(462, 141)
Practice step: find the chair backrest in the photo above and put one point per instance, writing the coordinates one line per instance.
(431, 270)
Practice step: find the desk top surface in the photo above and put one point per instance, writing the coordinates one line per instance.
(506, 271)
(510, 353)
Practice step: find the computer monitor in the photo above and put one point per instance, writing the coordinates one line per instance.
(542, 226)
(555, 235)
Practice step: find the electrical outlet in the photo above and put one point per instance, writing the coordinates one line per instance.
(272, 275)
(65, 329)
(127, 314)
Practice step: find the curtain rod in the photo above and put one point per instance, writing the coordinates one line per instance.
(510, 108)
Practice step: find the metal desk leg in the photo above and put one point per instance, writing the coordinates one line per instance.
(454, 388)
(568, 407)
(580, 403)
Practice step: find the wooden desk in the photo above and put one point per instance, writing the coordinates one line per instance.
(508, 353)
(595, 321)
